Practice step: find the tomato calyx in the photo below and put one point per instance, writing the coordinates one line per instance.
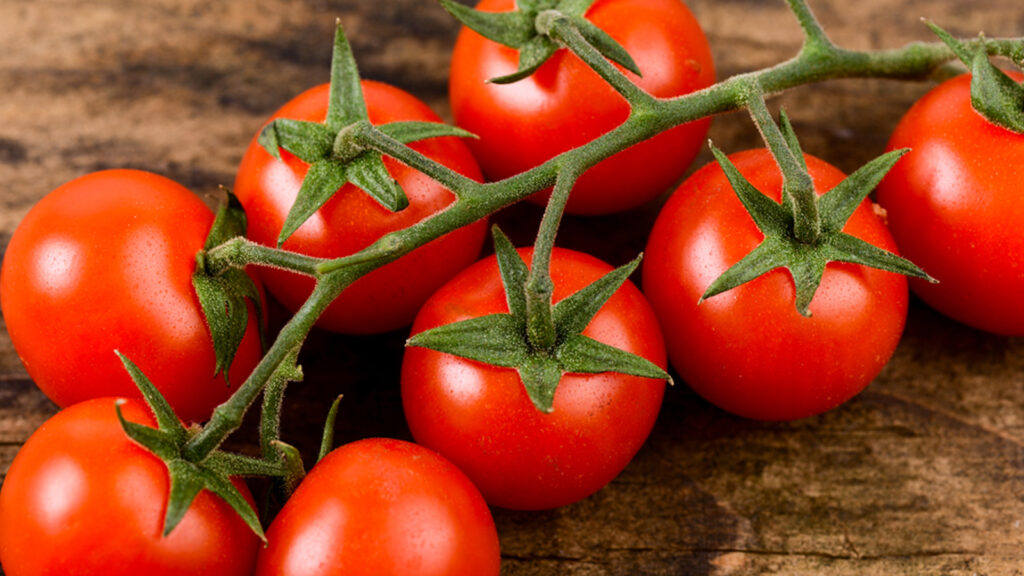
(530, 29)
(223, 294)
(504, 339)
(337, 151)
(994, 94)
(804, 233)
(187, 477)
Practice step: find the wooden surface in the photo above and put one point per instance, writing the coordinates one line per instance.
(923, 473)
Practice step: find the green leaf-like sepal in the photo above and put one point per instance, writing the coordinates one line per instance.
(584, 355)
(532, 55)
(406, 132)
(223, 297)
(541, 375)
(524, 30)
(327, 439)
(806, 262)
(323, 179)
(496, 339)
(188, 479)
(369, 173)
(309, 141)
(501, 339)
(572, 314)
(605, 44)
(513, 29)
(994, 94)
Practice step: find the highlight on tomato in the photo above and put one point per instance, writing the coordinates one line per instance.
(382, 507)
(82, 498)
(104, 262)
(524, 120)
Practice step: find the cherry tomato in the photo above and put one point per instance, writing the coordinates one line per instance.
(565, 104)
(105, 262)
(748, 350)
(954, 207)
(387, 298)
(382, 507)
(480, 417)
(82, 498)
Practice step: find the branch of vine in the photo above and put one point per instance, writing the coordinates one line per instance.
(818, 60)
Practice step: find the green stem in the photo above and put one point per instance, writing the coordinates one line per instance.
(227, 417)
(540, 328)
(477, 200)
(561, 30)
(239, 252)
(797, 186)
(815, 37)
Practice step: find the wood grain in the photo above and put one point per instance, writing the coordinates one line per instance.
(923, 473)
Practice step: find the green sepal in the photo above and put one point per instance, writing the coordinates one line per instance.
(327, 440)
(584, 355)
(187, 479)
(496, 339)
(519, 29)
(501, 339)
(572, 314)
(994, 94)
(167, 421)
(308, 141)
(223, 296)
(605, 44)
(540, 375)
(532, 55)
(369, 173)
(806, 262)
(512, 29)
(514, 273)
(323, 179)
(412, 131)
(346, 104)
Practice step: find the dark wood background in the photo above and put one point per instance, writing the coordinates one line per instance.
(923, 473)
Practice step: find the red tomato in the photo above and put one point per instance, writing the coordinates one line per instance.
(565, 104)
(105, 262)
(480, 417)
(382, 507)
(748, 350)
(387, 298)
(954, 206)
(82, 498)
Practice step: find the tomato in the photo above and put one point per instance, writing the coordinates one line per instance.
(105, 262)
(382, 507)
(748, 350)
(82, 498)
(954, 207)
(480, 417)
(387, 298)
(565, 104)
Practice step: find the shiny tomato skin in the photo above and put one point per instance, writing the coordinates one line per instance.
(103, 263)
(954, 206)
(82, 498)
(382, 507)
(565, 104)
(480, 417)
(748, 350)
(387, 298)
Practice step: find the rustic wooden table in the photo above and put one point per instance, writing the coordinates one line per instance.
(923, 473)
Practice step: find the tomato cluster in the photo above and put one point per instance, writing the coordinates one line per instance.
(106, 263)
